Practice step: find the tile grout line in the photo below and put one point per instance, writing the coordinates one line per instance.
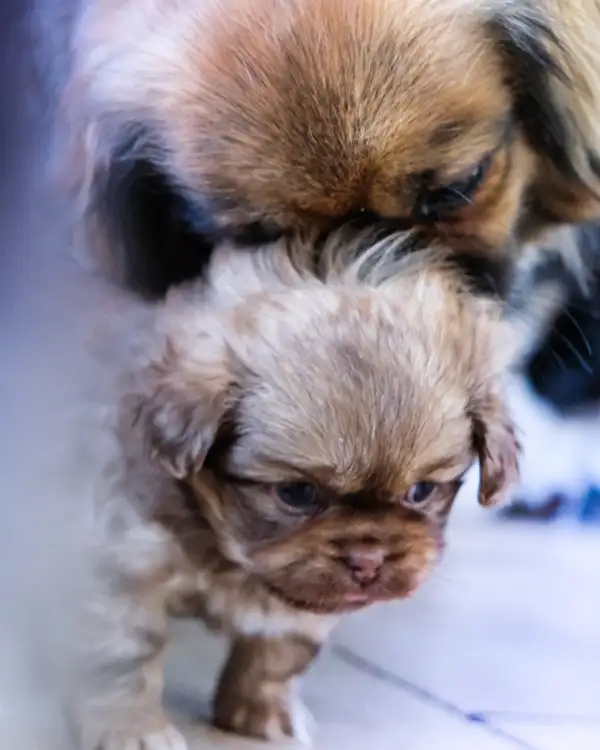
(532, 718)
(351, 659)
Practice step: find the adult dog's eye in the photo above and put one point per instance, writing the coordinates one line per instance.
(434, 203)
(256, 233)
(419, 493)
(301, 496)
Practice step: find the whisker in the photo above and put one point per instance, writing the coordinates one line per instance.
(460, 194)
(558, 359)
(584, 338)
(580, 358)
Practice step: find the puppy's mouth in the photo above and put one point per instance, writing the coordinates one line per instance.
(341, 604)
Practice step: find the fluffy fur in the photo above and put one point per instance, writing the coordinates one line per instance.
(473, 120)
(361, 379)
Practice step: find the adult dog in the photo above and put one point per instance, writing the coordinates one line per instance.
(189, 122)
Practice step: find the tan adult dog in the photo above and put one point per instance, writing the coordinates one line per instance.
(472, 120)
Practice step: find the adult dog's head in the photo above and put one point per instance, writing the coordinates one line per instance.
(475, 120)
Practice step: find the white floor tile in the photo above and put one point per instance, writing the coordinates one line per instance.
(550, 736)
(510, 623)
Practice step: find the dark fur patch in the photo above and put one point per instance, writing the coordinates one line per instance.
(594, 163)
(162, 238)
(485, 274)
(537, 217)
(565, 369)
(526, 43)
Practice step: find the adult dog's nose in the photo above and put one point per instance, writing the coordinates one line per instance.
(364, 565)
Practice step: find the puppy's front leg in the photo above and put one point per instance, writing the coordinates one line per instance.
(118, 700)
(256, 696)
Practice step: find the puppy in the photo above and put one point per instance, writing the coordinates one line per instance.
(189, 122)
(288, 445)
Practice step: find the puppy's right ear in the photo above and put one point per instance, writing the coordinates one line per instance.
(495, 440)
(181, 414)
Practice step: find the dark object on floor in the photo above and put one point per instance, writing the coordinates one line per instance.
(589, 510)
(548, 511)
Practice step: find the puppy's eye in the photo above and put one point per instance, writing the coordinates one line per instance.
(419, 493)
(435, 202)
(301, 496)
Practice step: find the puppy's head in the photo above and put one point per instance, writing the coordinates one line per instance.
(249, 118)
(325, 429)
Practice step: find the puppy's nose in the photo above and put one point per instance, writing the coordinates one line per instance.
(364, 566)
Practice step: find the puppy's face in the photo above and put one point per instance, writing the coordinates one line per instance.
(326, 440)
(249, 118)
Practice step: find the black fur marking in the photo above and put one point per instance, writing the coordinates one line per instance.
(536, 217)
(526, 43)
(565, 369)
(485, 275)
(152, 227)
(594, 161)
(163, 236)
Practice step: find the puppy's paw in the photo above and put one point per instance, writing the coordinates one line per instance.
(165, 738)
(275, 718)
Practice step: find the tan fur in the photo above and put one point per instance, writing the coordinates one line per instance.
(364, 376)
(300, 113)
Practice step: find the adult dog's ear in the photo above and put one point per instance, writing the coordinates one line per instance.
(552, 58)
(182, 410)
(497, 447)
(139, 227)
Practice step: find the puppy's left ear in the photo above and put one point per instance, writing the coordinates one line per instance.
(498, 449)
(182, 412)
